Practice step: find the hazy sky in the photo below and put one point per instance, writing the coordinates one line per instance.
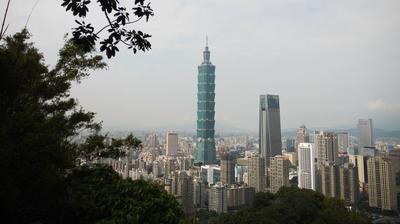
(331, 62)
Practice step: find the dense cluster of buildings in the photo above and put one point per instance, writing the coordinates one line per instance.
(363, 173)
(225, 174)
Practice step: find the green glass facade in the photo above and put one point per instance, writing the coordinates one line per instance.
(205, 145)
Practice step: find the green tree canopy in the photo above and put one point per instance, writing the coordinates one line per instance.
(99, 195)
(38, 119)
(292, 205)
(43, 174)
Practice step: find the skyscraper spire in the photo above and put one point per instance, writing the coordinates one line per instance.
(206, 53)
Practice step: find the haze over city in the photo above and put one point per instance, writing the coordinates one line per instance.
(200, 111)
(323, 58)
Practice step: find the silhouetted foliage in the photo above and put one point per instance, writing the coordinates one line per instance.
(98, 195)
(118, 17)
(41, 172)
(204, 216)
(263, 199)
(292, 205)
(37, 121)
(94, 147)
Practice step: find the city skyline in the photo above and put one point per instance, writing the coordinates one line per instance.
(323, 76)
(353, 48)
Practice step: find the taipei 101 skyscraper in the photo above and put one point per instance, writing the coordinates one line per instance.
(205, 145)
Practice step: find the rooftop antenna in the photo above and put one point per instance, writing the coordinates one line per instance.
(34, 6)
(2, 30)
(206, 41)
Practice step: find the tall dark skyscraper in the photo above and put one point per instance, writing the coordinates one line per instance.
(270, 127)
(205, 145)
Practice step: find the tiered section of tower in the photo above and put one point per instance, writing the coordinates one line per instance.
(205, 145)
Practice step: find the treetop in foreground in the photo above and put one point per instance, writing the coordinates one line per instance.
(292, 205)
(47, 177)
(98, 194)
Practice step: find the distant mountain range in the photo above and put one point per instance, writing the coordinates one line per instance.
(379, 133)
(186, 128)
(223, 129)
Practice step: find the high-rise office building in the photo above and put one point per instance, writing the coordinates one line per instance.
(172, 143)
(374, 189)
(279, 173)
(328, 179)
(307, 169)
(348, 179)
(394, 156)
(365, 133)
(343, 141)
(289, 144)
(256, 172)
(152, 140)
(156, 169)
(169, 167)
(200, 194)
(183, 189)
(381, 183)
(218, 198)
(360, 162)
(227, 168)
(211, 173)
(240, 171)
(326, 147)
(338, 181)
(205, 145)
(370, 151)
(239, 197)
(302, 136)
(174, 176)
(269, 127)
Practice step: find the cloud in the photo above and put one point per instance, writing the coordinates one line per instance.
(380, 105)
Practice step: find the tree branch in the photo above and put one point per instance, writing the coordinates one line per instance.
(110, 23)
(2, 32)
(115, 20)
(109, 20)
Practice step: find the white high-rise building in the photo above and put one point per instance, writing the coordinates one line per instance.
(211, 173)
(306, 172)
(172, 143)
